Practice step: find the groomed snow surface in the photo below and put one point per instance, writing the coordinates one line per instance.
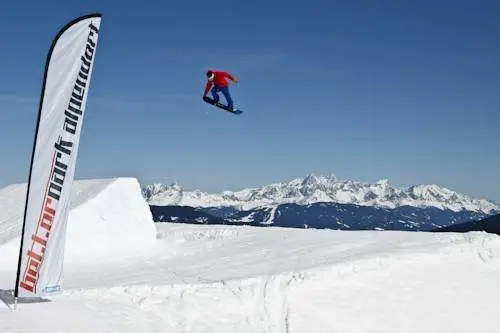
(123, 273)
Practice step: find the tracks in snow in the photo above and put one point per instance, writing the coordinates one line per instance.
(276, 303)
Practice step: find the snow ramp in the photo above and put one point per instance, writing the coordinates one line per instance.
(107, 217)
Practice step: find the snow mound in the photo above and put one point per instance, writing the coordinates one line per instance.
(115, 222)
(13, 197)
(108, 218)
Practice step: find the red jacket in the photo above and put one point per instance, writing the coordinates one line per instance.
(219, 80)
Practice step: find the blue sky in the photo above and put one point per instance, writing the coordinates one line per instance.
(404, 90)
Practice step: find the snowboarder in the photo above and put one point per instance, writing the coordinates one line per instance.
(220, 84)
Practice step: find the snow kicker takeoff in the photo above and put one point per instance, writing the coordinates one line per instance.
(217, 80)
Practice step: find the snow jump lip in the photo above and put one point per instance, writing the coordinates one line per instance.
(96, 215)
(12, 199)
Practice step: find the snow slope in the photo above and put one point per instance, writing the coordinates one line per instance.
(199, 278)
(313, 189)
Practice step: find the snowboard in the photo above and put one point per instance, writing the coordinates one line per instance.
(221, 106)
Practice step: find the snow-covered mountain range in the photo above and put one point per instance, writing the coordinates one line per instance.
(314, 189)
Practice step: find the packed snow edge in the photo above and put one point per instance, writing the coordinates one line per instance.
(107, 217)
